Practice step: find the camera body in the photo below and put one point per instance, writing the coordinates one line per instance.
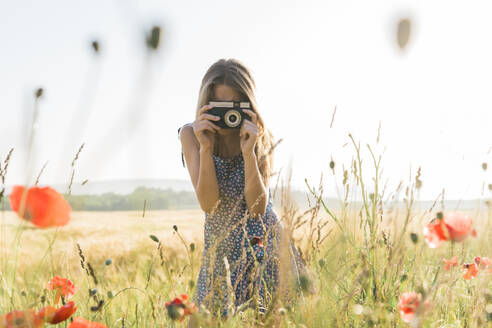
(230, 112)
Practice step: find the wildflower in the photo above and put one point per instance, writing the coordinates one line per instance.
(82, 323)
(54, 316)
(450, 263)
(180, 307)
(471, 270)
(454, 226)
(409, 305)
(63, 287)
(484, 263)
(44, 207)
(21, 319)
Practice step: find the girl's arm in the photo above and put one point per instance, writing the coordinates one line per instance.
(255, 191)
(201, 168)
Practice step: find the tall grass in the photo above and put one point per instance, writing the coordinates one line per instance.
(360, 260)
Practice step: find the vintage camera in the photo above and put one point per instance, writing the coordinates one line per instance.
(230, 112)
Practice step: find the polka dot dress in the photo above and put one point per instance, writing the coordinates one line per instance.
(249, 245)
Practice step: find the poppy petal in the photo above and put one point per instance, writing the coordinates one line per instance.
(44, 207)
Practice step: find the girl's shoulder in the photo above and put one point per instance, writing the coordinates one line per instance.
(186, 128)
(187, 138)
(187, 135)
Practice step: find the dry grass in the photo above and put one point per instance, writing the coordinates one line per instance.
(361, 259)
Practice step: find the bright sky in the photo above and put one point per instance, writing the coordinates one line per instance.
(433, 99)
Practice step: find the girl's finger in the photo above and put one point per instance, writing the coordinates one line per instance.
(208, 126)
(204, 109)
(212, 126)
(208, 117)
(251, 114)
(250, 125)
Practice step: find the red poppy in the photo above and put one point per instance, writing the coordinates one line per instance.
(44, 207)
(179, 308)
(484, 263)
(63, 287)
(453, 226)
(471, 270)
(53, 315)
(82, 323)
(450, 263)
(21, 319)
(409, 305)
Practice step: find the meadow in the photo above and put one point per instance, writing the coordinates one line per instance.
(362, 259)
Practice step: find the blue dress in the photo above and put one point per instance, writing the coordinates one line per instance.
(250, 245)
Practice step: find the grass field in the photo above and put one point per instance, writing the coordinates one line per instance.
(136, 285)
(362, 261)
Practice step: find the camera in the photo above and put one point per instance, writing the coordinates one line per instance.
(230, 112)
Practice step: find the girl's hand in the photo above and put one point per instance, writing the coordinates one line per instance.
(204, 129)
(248, 133)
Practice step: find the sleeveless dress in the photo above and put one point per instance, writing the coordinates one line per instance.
(250, 245)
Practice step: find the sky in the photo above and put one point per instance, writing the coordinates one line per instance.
(430, 102)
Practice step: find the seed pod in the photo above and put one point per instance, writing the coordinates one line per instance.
(403, 33)
(95, 46)
(403, 277)
(154, 238)
(153, 39)
(39, 92)
(414, 237)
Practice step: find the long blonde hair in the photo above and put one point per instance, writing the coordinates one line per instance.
(237, 76)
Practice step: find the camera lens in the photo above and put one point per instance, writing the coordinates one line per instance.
(232, 118)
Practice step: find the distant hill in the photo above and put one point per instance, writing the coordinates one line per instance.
(183, 190)
(122, 187)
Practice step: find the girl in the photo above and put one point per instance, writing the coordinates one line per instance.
(230, 171)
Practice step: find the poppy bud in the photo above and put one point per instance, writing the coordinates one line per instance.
(39, 92)
(154, 238)
(154, 38)
(175, 228)
(414, 237)
(175, 311)
(95, 46)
